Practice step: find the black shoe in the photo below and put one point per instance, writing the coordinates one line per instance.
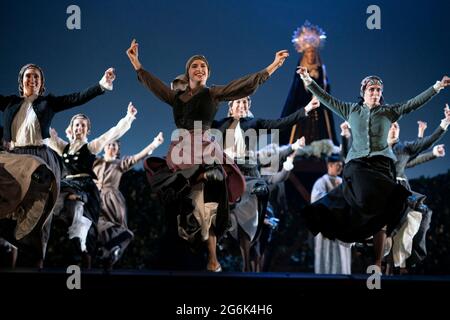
(75, 250)
(213, 175)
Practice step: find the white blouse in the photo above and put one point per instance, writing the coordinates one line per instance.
(96, 145)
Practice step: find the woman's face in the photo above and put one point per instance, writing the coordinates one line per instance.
(80, 128)
(239, 108)
(372, 95)
(198, 71)
(310, 56)
(112, 149)
(31, 82)
(335, 168)
(394, 132)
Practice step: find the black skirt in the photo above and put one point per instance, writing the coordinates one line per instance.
(174, 188)
(45, 153)
(368, 200)
(85, 188)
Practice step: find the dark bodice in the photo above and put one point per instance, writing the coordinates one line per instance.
(201, 107)
(81, 161)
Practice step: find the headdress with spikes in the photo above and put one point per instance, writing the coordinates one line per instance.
(308, 36)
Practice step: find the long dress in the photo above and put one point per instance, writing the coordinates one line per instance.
(369, 197)
(409, 243)
(26, 122)
(197, 206)
(250, 211)
(26, 183)
(320, 124)
(81, 216)
(112, 224)
(330, 256)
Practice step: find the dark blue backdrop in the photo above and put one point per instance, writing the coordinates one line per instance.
(410, 52)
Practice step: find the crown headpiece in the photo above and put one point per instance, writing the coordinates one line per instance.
(308, 36)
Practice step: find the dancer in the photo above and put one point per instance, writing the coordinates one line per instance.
(26, 119)
(79, 202)
(114, 234)
(210, 186)
(355, 210)
(241, 131)
(330, 256)
(410, 238)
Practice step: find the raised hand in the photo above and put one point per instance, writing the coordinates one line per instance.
(280, 56)
(445, 81)
(158, 140)
(133, 54)
(110, 76)
(131, 109)
(303, 72)
(445, 123)
(107, 80)
(300, 143)
(313, 104)
(447, 112)
(439, 150)
(422, 127)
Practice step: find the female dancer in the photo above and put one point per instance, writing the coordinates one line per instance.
(203, 210)
(79, 202)
(114, 235)
(369, 200)
(26, 119)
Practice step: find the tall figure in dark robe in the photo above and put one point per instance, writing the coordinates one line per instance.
(319, 125)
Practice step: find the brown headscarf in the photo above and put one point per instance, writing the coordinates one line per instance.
(192, 59)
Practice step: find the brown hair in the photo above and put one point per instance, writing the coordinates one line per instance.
(22, 72)
(118, 147)
(230, 104)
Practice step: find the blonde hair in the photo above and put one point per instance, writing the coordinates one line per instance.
(69, 132)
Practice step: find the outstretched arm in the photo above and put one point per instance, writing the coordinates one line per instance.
(422, 126)
(97, 145)
(157, 141)
(286, 122)
(247, 85)
(280, 56)
(438, 151)
(133, 55)
(148, 80)
(295, 147)
(342, 109)
(420, 145)
(419, 101)
(60, 103)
